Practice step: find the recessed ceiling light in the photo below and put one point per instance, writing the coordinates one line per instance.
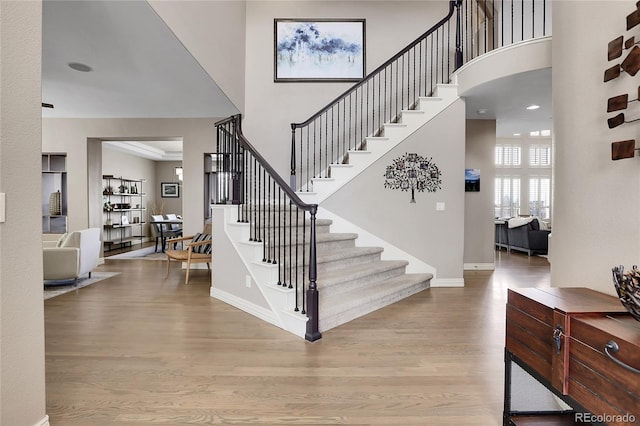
(482, 111)
(532, 107)
(79, 67)
(516, 134)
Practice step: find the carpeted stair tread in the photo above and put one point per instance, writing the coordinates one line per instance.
(339, 309)
(338, 254)
(354, 272)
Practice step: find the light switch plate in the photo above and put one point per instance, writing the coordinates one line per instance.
(440, 206)
(2, 206)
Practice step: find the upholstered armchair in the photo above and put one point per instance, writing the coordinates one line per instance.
(72, 256)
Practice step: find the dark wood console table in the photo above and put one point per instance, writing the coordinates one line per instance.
(579, 346)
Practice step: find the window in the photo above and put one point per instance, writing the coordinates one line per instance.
(523, 185)
(507, 155)
(539, 196)
(539, 155)
(507, 196)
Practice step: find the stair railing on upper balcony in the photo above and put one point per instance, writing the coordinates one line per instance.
(490, 24)
(480, 27)
(327, 136)
(277, 217)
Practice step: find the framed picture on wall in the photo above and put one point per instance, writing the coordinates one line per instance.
(472, 180)
(319, 50)
(170, 190)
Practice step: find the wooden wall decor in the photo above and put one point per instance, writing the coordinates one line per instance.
(623, 149)
(630, 65)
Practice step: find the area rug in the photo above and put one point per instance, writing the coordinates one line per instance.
(56, 288)
(147, 253)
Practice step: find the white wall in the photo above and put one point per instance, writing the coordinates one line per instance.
(165, 172)
(22, 375)
(70, 136)
(435, 237)
(596, 200)
(271, 107)
(478, 206)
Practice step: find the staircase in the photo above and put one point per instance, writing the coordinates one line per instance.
(374, 147)
(354, 278)
(355, 281)
(311, 277)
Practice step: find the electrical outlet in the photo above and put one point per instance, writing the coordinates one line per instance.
(247, 281)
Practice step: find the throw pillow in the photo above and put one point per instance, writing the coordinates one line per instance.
(203, 248)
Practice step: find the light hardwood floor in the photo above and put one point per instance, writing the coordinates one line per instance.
(139, 349)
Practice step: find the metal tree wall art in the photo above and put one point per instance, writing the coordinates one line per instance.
(413, 172)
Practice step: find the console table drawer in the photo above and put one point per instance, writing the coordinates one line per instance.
(537, 326)
(596, 381)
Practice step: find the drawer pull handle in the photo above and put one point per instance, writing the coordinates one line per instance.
(613, 347)
(557, 338)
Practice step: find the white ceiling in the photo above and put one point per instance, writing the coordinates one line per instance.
(140, 69)
(505, 100)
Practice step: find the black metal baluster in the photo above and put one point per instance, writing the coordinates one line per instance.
(259, 202)
(486, 31)
(297, 260)
(512, 20)
(333, 140)
(292, 172)
(314, 150)
(544, 18)
(533, 18)
(283, 259)
(384, 104)
(268, 224)
(264, 214)
(361, 138)
(291, 228)
(307, 178)
(502, 22)
(304, 264)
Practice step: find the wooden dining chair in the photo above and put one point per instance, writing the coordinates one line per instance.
(195, 249)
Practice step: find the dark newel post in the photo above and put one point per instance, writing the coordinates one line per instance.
(292, 178)
(313, 333)
(459, 60)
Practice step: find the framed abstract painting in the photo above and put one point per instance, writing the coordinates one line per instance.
(319, 50)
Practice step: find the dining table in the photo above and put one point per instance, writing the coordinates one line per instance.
(165, 223)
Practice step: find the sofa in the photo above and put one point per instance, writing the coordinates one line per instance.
(525, 234)
(72, 255)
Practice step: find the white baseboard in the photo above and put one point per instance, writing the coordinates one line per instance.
(43, 422)
(479, 266)
(447, 282)
(244, 305)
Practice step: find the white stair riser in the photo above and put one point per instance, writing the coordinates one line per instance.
(396, 131)
(239, 231)
(446, 91)
(412, 118)
(328, 322)
(250, 250)
(359, 159)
